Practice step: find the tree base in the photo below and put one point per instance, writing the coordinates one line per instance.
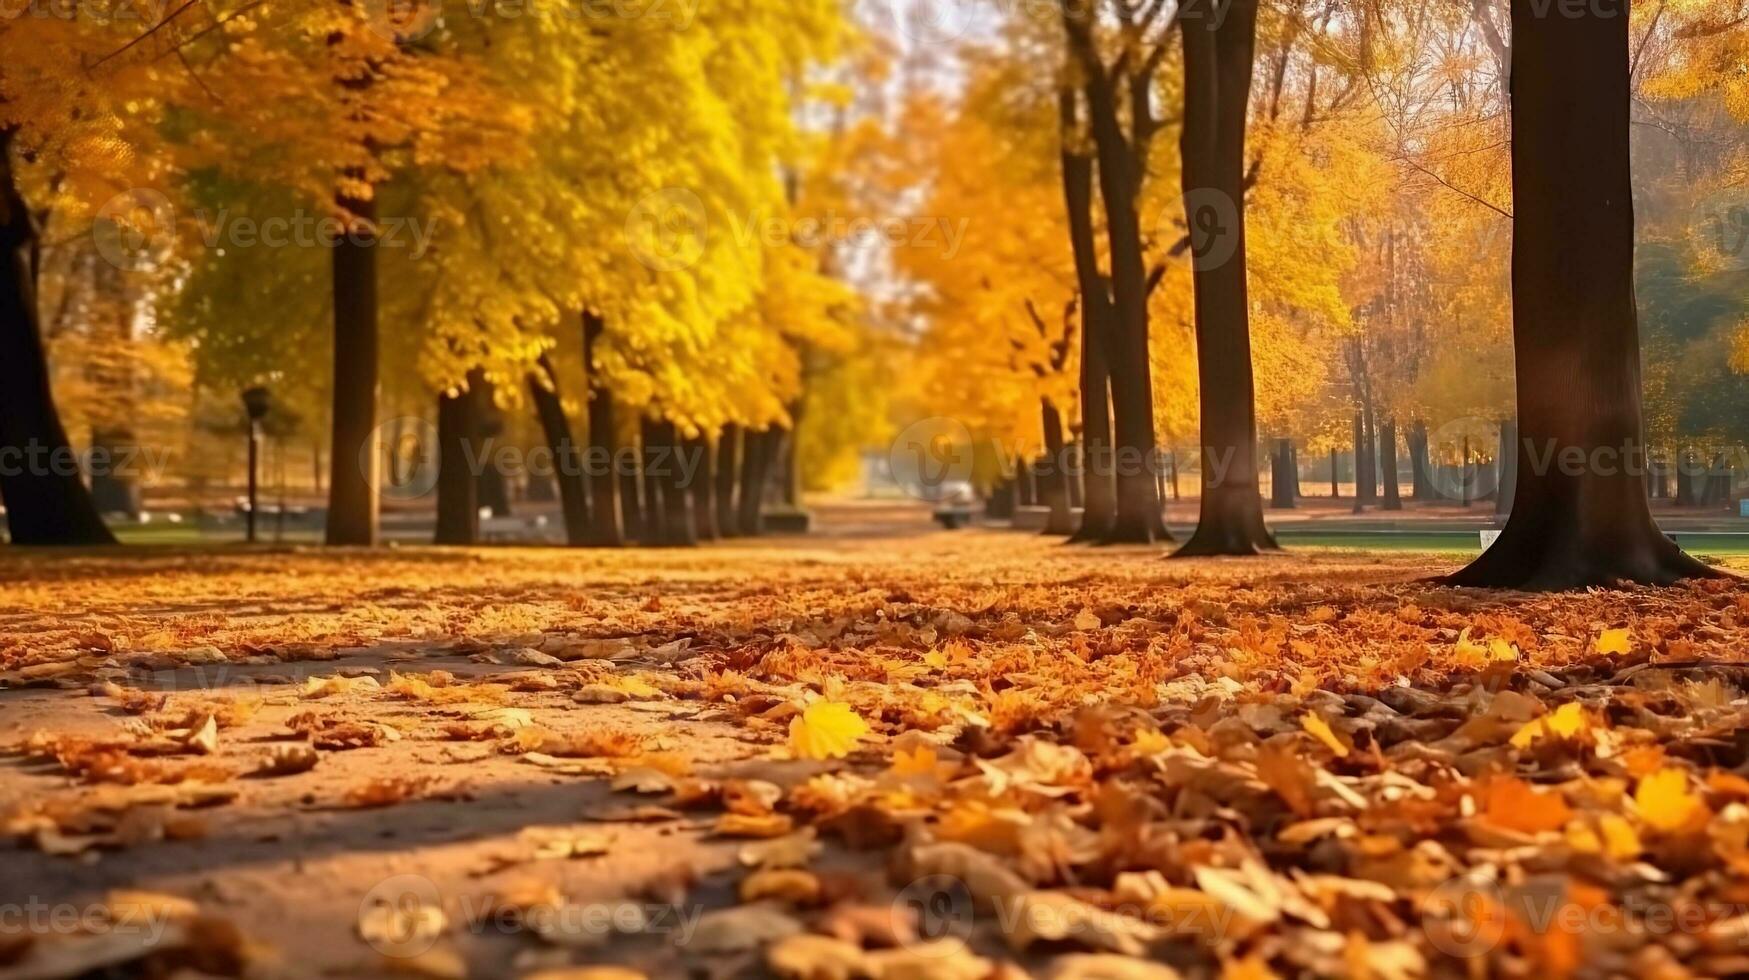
(1531, 560)
(1136, 531)
(1231, 526)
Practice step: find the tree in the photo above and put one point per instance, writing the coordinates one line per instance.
(1120, 91)
(1217, 96)
(46, 502)
(1581, 516)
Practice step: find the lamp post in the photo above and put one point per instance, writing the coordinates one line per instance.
(255, 402)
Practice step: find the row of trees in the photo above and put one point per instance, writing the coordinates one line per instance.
(508, 206)
(1350, 178)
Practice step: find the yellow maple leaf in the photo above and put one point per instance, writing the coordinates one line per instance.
(1611, 836)
(826, 730)
(1666, 802)
(1617, 643)
(1322, 731)
(1473, 654)
(1569, 722)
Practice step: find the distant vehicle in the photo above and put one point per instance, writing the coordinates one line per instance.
(957, 505)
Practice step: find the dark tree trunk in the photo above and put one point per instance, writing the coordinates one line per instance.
(728, 476)
(1388, 460)
(653, 531)
(568, 466)
(1575, 325)
(790, 475)
(1099, 487)
(1686, 465)
(999, 505)
(458, 438)
(1073, 455)
(1284, 480)
(631, 494)
(354, 462)
(1054, 482)
(1217, 95)
(603, 458)
(1658, 480)
(1420, 466)
(673, 494)
(1335, 476)
(701, 486)
(1507, 491)
(1121, 168)
(756, 453)
(1361, 496)
(494, 488)
(112, 491)
(46, 501)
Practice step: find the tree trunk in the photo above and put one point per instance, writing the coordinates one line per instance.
(354, 462)
(1685, 473)
(458, 501)
(603, 455)
(652, 529)
(756, 453)
(494, 488)
(631, 493)
(1137, 517)
(1575, 325)
(568, 468)
(1284, 489)
(1099, 488)
(46, 501)
(702, 486)
(790, 486)
(1507, 490)
(1420, 466)
(1388, 460)
(1217, 94)
(728, 475)
(1054, 484)
(677, 529)
(1361, 497)
(999, 505)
